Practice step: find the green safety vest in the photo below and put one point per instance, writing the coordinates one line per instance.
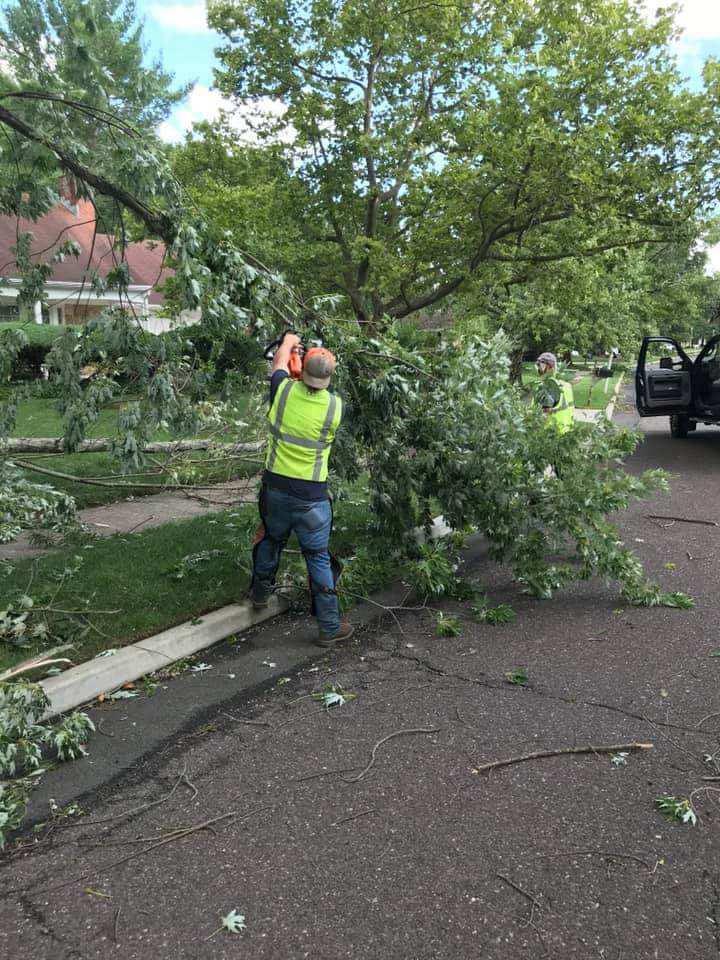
(562, 417)
(303, 424)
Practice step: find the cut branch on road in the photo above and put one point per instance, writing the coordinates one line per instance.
(539, 754)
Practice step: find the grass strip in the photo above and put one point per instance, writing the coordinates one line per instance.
(590, 392)
(158, 578)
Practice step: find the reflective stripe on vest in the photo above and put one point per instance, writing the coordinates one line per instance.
(318, 415)
(562, 416)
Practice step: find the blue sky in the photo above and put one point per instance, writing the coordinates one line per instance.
(178, 29)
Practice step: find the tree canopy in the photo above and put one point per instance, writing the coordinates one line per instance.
(432, 147)
(91, 51)
(436, 142)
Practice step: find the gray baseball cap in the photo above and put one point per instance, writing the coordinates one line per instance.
(318, 367)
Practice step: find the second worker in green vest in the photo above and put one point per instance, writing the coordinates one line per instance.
(554, 396)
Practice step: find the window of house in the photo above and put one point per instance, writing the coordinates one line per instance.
(9, 312)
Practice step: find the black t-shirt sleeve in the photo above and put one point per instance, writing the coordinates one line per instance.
(275, 380)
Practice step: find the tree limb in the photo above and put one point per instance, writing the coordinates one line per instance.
(158, 223)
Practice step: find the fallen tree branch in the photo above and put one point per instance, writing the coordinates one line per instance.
(134, 485)
(390, 736)
(538, 754)
(706, 523)
(103, 444)
(41, 660)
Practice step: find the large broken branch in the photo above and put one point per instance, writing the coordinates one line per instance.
(157, 222)
(56, 445)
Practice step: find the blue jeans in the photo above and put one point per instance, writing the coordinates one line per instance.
(311, 520)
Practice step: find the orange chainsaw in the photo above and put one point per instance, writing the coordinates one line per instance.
(296, 357)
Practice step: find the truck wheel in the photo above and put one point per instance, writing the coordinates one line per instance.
(679, 426)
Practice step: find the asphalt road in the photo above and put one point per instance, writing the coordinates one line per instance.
(419, 855)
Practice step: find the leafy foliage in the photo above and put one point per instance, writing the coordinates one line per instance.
(449, 434)
(92, 50)
(31, 505)
(431, 572)
(486, 613)
(332, 696)
(437, 146)
(517, 677)
(234, 922)
(447, 626)
(676, 808)
(22, 739)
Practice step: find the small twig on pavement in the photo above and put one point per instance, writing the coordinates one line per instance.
(178, 835)
(706, 523)
(606, 854)
(138, 525)
(374, 603)
(709, 716)
(252, 723)
(355, 816)
(390, 736)
(691, 798)
(538, 754)
(189, 783)
(511, 883)
(134, 810)
(323, 773)
(98, 727)
(115, 925)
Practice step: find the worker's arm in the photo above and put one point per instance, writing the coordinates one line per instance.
(281, 360)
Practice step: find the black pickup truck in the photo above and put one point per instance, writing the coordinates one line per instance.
(668, 383)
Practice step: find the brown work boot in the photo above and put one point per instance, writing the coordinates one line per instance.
(343, 632)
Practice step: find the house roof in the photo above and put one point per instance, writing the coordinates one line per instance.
(98, 255)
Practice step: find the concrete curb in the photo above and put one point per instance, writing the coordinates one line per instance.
(84, 683)
(610, 408)
(89, 680)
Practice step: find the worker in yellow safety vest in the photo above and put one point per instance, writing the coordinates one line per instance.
(554, 396)
(303, 420)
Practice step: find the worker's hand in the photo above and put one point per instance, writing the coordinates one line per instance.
(291, 340)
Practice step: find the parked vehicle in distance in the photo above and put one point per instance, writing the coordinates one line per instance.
(668, 383)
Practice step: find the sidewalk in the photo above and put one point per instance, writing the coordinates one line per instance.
(132, 514)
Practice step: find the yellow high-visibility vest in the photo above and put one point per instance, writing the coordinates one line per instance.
(562, 416)
(303, 424)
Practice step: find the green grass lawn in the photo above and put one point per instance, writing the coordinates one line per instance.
(36, 334)
(149, 580)
(39, 417)
(591, 393)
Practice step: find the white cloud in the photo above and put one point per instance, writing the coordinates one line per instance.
(699, 19)
(713, 260)
(181, 17)
(244, 117)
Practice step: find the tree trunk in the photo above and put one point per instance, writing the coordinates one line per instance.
(57, 445)
(516, 369)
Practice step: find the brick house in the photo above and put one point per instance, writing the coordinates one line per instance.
(69, 295)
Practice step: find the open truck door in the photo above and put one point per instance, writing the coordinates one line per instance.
(663, 379)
